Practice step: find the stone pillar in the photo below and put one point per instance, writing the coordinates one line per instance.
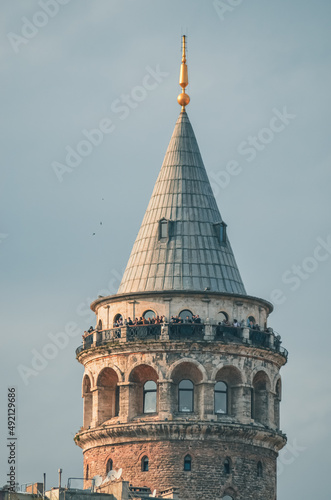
(238, 311)
(164, 331)
(124, 409)
(96, 337)
(245, 334)
(166, 299)
(245, 404)
(209, 334)
(95, 407)
(124, 330)
(164, 400)
(271, 339)
(207, 399)
(107, 321)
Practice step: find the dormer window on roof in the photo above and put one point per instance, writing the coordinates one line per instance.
(220, 228)
(164, 229)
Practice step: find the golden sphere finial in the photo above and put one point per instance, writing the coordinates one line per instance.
(183, 99)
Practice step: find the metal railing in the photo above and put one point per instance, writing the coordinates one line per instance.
(142, 332)
(179, 331)
(227, 332)
(185, 331)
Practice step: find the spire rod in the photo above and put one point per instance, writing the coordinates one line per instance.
(183, 99)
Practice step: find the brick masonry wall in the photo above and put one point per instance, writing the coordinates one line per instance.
(207, 478)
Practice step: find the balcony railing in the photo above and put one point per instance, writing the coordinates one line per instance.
(179, 331)
(143, 332)
(184, 331)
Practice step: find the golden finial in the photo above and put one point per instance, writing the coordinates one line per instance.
(183, 99)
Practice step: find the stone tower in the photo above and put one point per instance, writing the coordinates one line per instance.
(192, 405)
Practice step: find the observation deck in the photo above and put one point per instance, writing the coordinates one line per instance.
(204, 332)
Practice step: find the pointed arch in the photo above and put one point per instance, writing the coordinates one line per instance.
(109, 465)
(145, 464)
(187, 463)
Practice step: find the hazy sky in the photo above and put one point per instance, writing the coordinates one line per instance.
(260, 107)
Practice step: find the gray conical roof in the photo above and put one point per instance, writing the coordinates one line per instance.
(192, 257)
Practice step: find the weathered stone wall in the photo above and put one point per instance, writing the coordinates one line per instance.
(242, 368)
(115, 426)
(206, 480)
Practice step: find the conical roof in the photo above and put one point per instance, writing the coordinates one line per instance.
(186, 253)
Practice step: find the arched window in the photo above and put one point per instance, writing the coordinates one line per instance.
(184, 313)
(149, 314)
(222, 316)
(221, 398)
(109, 465)
(187, 463)
(251, 321)
(117, 318)
(99, 324)
(150, 396)
(227, 466)
(87, 472)
(144, 464)
(259, 469)
(185, 396)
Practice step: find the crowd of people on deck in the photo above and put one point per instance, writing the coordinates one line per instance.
(188, 319)
(156, 320)
(194, 319)
(237, 324)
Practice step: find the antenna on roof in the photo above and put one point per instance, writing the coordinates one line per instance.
(111, 475)
(118, 473)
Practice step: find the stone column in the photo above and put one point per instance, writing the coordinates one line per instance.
(209, 334)
(166, 299)
(95, 406)
(164, 400)
(164, 331)
(124, 330)
(245, 334)
(244, 406)
(124, 406)
(96, 337)
(207, 399)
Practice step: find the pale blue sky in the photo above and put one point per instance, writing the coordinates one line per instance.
(262, 56)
